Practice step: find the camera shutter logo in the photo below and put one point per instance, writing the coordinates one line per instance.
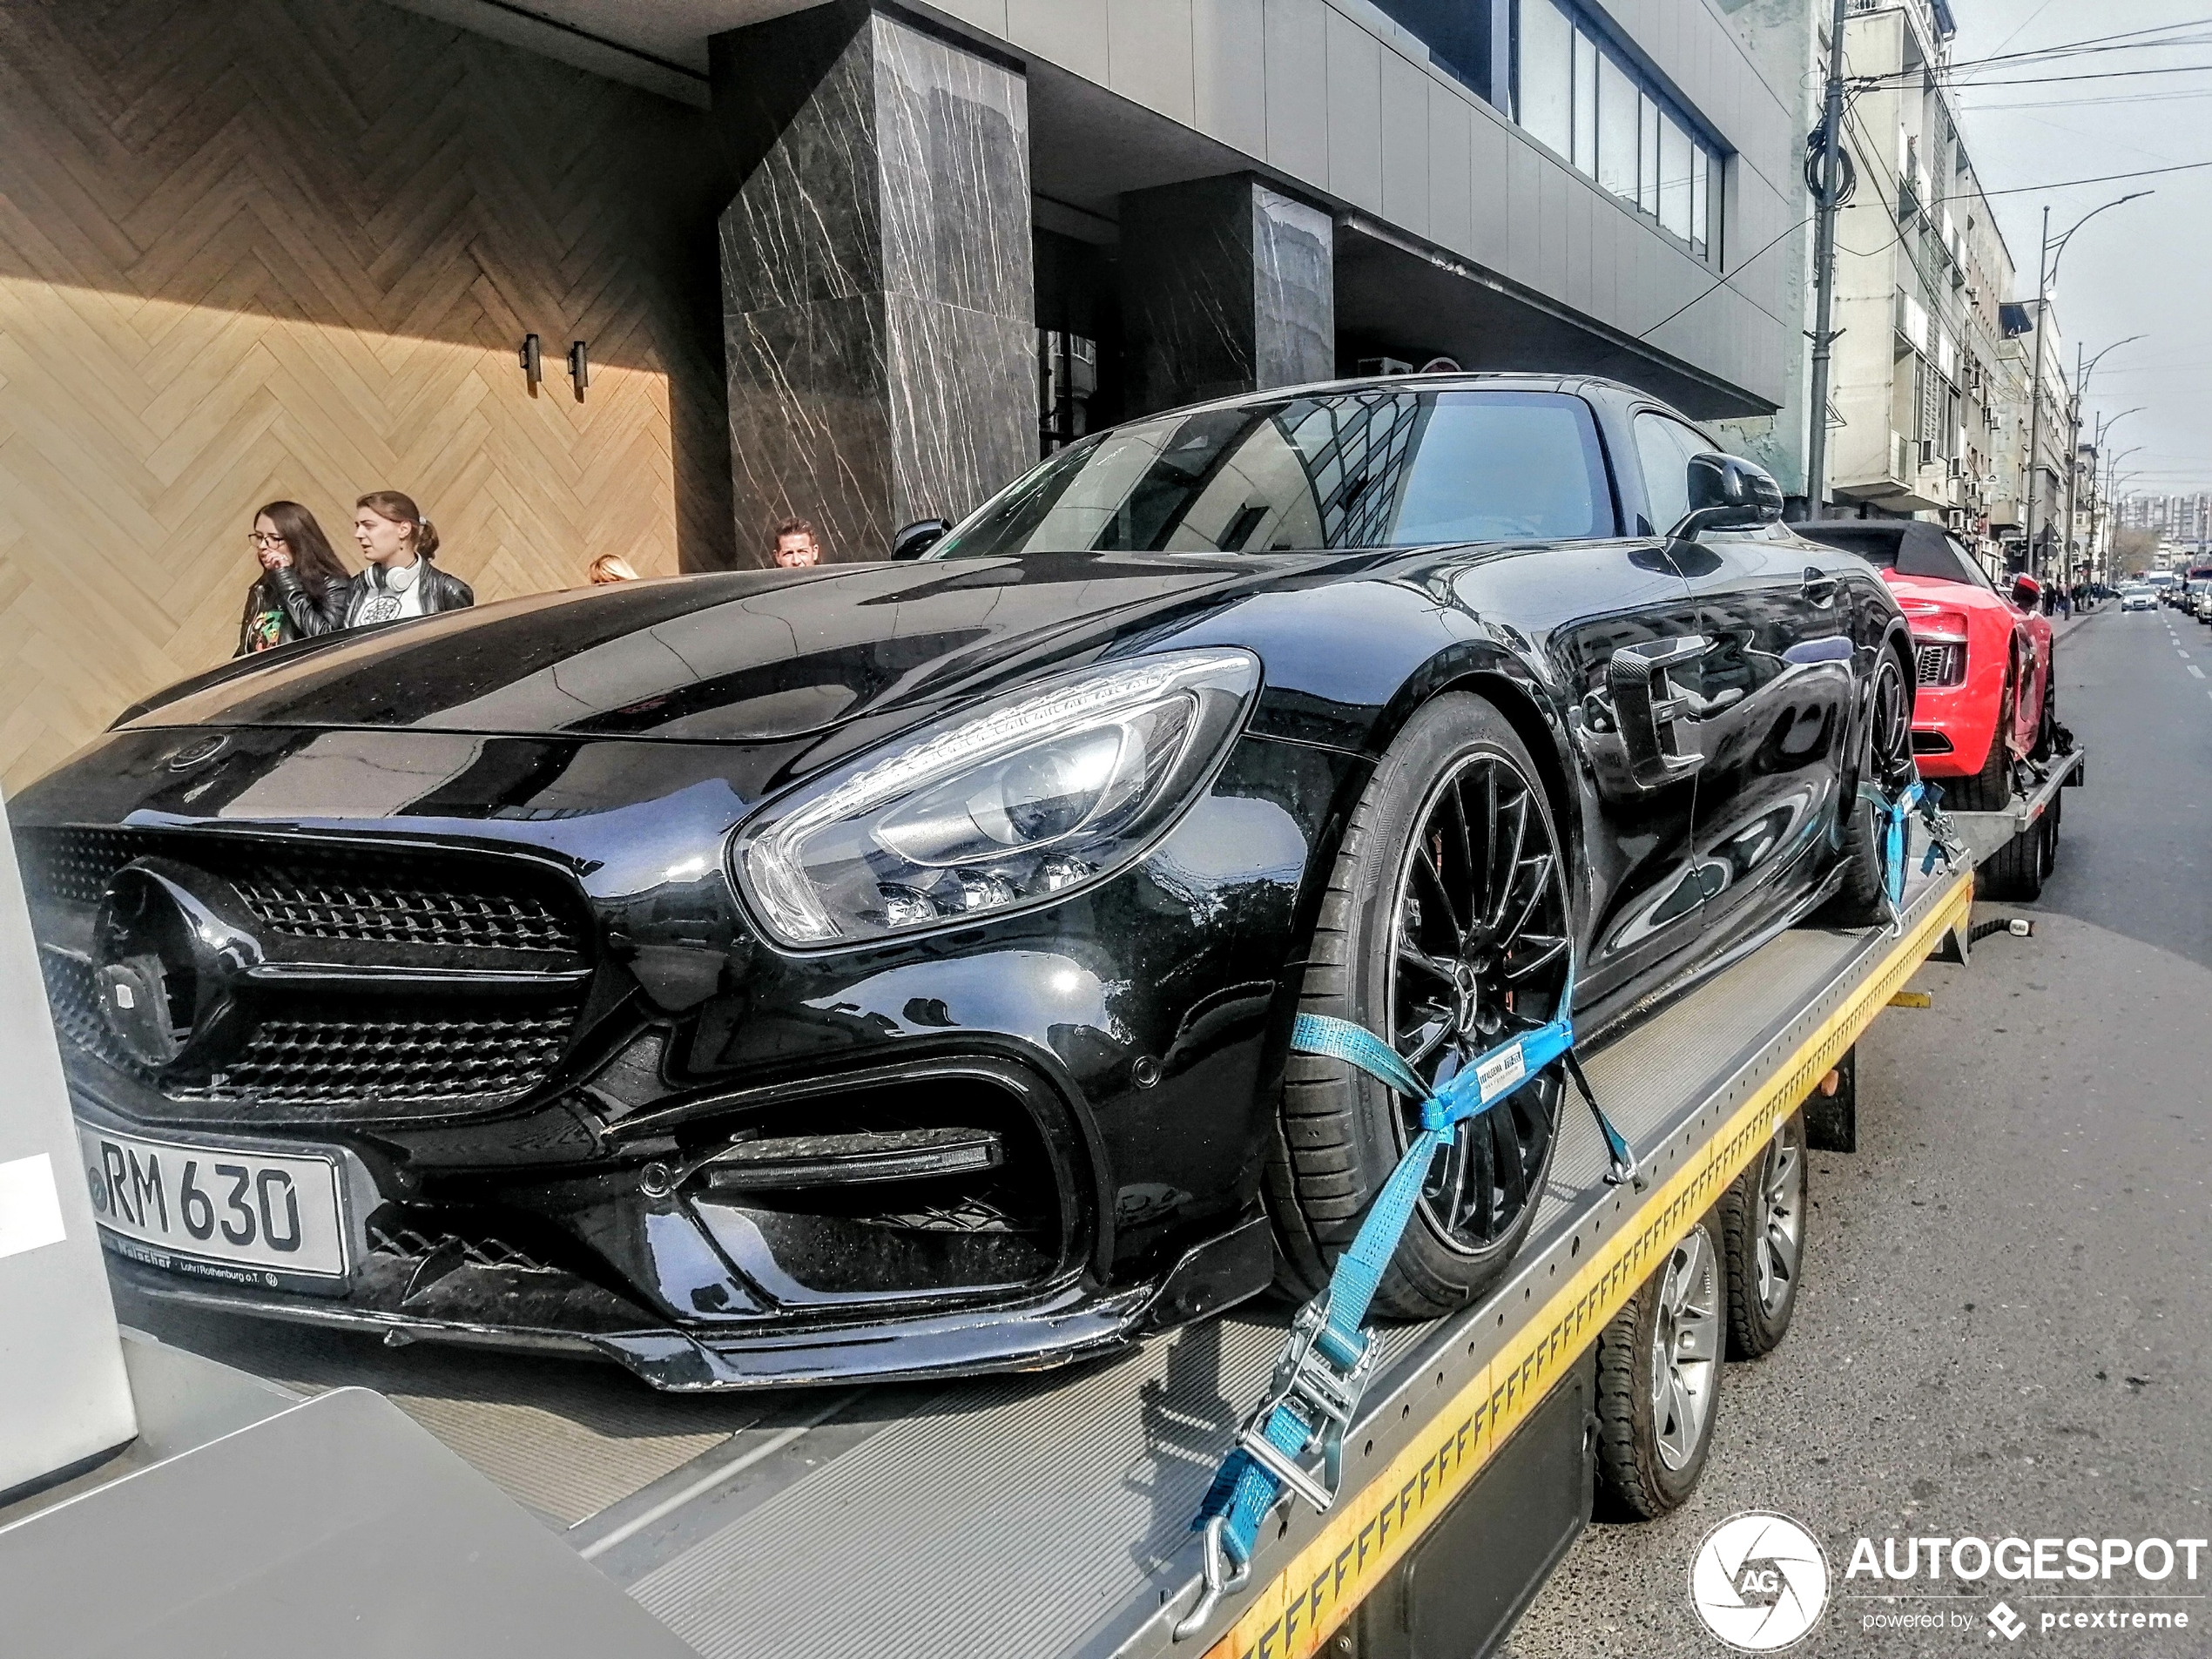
(1759, 1581)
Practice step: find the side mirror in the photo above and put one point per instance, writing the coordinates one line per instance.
(919, 537)
(2027, 592)
(1729, 493)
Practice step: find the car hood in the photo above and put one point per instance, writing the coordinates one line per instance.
(740, 657)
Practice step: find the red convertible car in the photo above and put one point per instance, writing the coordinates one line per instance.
(1984, 657)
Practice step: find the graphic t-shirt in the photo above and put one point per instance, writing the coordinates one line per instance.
(266, 630)
(393, 594)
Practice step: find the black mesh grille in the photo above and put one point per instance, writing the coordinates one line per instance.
(1938, 664)
(374, 1058)
(434, 900)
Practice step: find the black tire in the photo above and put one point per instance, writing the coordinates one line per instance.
(2015, 870)
(2050, 848)
(1763, 1218)
(1650, 1448)
(1885, 759)
(1988, 790)
(1340, 1132)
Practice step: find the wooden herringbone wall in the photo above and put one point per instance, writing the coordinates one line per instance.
(263, 248)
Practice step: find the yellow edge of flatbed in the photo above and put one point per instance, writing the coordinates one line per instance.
(1292, 1615)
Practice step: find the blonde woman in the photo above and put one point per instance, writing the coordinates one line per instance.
(609, 567)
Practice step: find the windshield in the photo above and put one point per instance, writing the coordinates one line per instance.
(1373, 468)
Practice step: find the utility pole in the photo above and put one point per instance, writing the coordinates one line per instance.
(2036, 391)
(1824, 263)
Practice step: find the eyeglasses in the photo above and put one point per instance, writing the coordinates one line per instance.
(265, 538)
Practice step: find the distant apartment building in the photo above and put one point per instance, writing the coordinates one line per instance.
(1929, 414)
(2177, 517)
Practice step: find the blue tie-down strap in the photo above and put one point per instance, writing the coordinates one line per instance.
(1893, 816)
(1315, 1391)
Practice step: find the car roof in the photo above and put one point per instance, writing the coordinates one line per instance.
(1448, 381)
(1909, 547)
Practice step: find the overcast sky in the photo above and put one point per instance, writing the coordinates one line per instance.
(2142, 268)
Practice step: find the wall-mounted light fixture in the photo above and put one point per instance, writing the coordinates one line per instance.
(533, 367)
(579, 368)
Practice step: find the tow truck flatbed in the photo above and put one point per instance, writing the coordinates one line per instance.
(1050, 1514)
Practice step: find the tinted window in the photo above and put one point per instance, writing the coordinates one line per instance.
(1377, 467)
(1664, 447)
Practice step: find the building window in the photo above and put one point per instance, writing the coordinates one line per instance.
(1584, 100)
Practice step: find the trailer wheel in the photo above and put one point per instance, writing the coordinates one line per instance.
(2050, 854)
(1658, 1381)
(2015, 870)
(1762, 1238)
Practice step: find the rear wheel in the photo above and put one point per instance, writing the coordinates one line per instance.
(1658, 1381)
(1989, 789)
(1446, 929)
(1884, 760)
(1763, 1236)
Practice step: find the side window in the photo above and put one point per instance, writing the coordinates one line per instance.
(1664, 446)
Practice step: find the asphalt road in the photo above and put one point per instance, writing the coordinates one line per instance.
(2006, 1325)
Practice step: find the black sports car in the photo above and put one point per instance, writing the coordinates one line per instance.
(887, 969)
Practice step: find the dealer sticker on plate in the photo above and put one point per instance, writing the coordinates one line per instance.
(216, 1211)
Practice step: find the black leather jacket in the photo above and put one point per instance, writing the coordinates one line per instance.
(440, 591)
(303, 615)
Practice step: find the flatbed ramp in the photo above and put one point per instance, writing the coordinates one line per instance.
(1050, 1514)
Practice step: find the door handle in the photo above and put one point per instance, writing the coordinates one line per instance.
(1647, 705)
(1818, 586)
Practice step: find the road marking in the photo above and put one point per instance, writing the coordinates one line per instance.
(2195, 670)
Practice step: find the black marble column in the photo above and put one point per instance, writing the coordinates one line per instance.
(1227, 287)
(877, 291)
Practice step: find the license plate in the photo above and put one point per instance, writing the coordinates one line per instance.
(216, 1211)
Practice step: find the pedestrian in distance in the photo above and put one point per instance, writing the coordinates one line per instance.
(796, 548)
(301, 590)
(609, 568)
(400, 580)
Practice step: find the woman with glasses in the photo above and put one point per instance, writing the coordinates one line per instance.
(302, 588)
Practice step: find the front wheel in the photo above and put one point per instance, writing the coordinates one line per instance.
(1446, 930)
(1884, 760)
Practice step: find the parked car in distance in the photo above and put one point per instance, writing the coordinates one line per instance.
(1983, 658)
(887, 969)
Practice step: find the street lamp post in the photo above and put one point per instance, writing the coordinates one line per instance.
(2047, 272)
(2082, 373)
(2106, 514)
(2113, 479)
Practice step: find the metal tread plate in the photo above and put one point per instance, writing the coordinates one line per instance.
(1050, 1514)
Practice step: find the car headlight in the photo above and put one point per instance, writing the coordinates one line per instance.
(1029, 798)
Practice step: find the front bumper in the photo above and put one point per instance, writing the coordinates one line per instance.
(1073, 1323)
(1952, 728)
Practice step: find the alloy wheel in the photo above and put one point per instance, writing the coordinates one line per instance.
(1778, 1221)
(1685, 1349)
(1888, 736)
(1479, 954)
